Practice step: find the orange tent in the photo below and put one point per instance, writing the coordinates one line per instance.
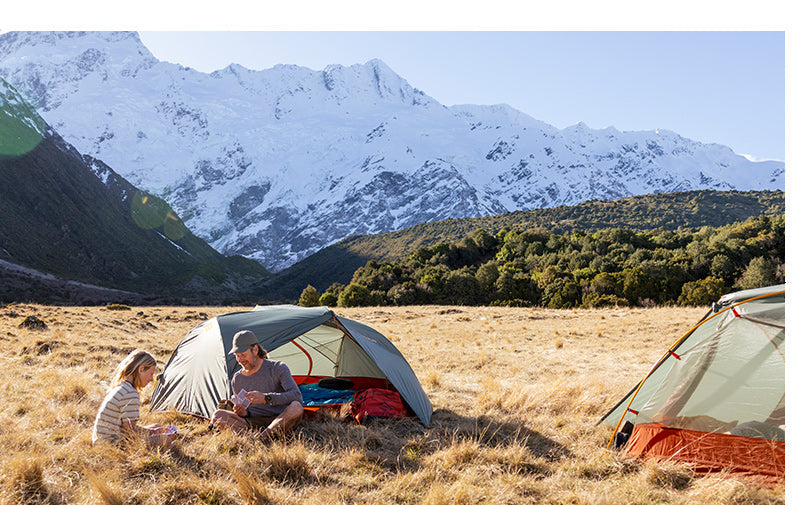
(716, 398)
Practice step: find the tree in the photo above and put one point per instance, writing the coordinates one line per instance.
(461, 288)
(328, 299)
(465, 253)
(487, 275)
(355, 295)
(722, 267)
(561, 294)
(703, 292)
(377, 298)
(504, 286)
(550, 274)
(377, 275)
(402, 294)
(331, 295)
(483, 240)
(309, 297)
(604, 283)
(637, 286)
(759, 273)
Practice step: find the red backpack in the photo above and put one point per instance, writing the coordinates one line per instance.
(377, 402)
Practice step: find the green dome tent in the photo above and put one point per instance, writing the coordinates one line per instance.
(716, 399)
(312, 341)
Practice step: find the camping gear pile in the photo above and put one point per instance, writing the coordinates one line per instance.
(716, 399)
(332, 359)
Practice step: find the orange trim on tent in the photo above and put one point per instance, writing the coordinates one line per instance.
(310, 362)
(658, 363)
(671, 351)
(762, 459)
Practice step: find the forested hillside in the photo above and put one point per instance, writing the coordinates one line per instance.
(671, 211)
(613, 266)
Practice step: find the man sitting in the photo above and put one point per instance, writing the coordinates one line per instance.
(266, 397)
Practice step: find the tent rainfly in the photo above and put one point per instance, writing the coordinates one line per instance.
(312, 341)
(716, 398)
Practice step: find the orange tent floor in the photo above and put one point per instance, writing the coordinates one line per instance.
(764, 460)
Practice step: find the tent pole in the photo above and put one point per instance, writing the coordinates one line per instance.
(655, 367)
(711, 313)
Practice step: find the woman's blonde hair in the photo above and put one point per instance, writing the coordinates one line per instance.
(128, 369)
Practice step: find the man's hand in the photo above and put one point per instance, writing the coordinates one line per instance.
(240, 410)
(256, 397)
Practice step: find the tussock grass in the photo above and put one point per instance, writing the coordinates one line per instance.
(516, 393)
(107, 494)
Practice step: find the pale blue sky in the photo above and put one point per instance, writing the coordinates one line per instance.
(726, 87)
(710, 70)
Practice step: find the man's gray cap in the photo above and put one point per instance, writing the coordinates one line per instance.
(242, 341)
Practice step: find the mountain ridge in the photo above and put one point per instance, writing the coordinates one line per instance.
(71, 216)
(276, 164)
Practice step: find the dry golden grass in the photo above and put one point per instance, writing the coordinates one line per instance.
(516, 395)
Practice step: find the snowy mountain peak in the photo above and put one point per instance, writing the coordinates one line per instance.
(275, 164)
(495, 116)
(373, 80)
(59, 47)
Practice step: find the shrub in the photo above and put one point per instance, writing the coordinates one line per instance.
(117, 306)
(309, 297)
(516, 302)
(702, 292)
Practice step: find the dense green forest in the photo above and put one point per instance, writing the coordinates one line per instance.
(614, 266)
(671, 211)
(688, 210)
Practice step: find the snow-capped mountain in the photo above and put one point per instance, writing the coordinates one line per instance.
(275, 164)
(67, 219)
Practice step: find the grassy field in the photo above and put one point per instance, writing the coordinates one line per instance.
(516, 395)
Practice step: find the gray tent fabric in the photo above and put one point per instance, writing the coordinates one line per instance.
(393, 365)
(729, 367)
(310, 340)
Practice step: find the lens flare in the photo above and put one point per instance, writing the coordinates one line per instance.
(153, 213)
(17, 137)
(174, 227)
(146, 215)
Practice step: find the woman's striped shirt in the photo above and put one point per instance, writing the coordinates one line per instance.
(120, 404)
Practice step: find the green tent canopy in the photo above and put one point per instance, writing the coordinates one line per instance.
(312, 341)
(716, 398)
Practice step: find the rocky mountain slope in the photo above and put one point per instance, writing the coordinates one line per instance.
(67, 216)
(276, 164)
